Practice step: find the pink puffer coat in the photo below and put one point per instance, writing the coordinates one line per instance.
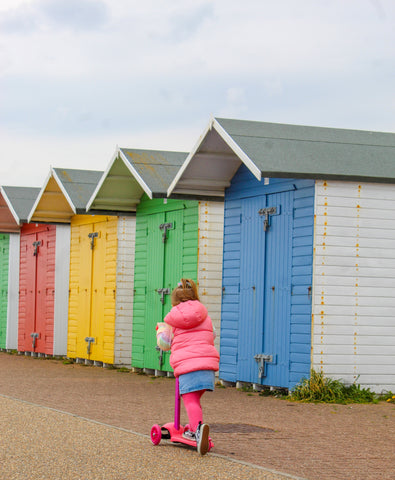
(193, 343)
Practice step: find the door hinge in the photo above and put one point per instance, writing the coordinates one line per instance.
(262, 359)
(34, 336)
(165, 227)
(89, 341)
(162, 292)
(92, 236)
(36, 245)
(267, 212)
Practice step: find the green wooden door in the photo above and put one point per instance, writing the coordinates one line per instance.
(166, 250)
(4, 259)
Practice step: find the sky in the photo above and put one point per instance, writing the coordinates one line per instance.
(79, 77)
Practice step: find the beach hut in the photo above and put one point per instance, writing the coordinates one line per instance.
(100, 282)
(15, 205)
(174, 238)
(308, 257)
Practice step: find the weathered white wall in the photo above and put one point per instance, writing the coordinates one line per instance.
(125, 289)
(13, 292)
(211, 227)
(62, 276)
(354, 283)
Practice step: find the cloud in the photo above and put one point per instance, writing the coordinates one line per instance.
(89, 72)
(186, 23)
(76, 15)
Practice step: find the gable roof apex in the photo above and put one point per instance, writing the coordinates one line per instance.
(131, 173)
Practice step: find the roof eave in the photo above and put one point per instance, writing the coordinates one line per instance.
(52, 174)
(244, 158)
(18, 220)
(64, 191)
(119, 153)
(136, 175)
(329, 176)
(237, 150)
(101, 181)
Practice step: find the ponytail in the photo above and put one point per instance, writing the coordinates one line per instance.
(185, 290)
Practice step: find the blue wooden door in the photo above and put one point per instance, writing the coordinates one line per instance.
(265, 289)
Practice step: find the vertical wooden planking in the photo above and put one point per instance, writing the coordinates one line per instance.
(180, 249)
(105, 259)
(23, 292)
(302, 281)
(36, 288)
(159, 265)
(45, 289)
(299, 273)
(72, 325)
(231, 290)
(92, 300)
(62, 272)
(211, 226)
(4, 269)
(125, 287)
(252, 289)
(354, 332)
(189, 242)
(80, 287)
(154, 281)
(27, 289)
(140, 290)
(13, 291)
(278, 286)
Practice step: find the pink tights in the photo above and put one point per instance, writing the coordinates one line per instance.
(194, 409)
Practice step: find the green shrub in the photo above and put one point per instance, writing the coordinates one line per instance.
(319, 388)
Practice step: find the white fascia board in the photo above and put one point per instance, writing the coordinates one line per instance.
(61, 186)
(13, 212)
(238, 151)
(189, 158)
(118, 152)
(33, 209)
(101, 181)
(136, 175)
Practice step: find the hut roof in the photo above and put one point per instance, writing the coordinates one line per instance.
(130, 174)
(65, 193)
(15, 205)
(278, 150)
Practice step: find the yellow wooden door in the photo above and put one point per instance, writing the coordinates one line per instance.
(84, 292)
(92, 280)
(98, 290)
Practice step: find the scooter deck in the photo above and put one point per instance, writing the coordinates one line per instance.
(177, 437)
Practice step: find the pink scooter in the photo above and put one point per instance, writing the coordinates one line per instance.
(174, 431)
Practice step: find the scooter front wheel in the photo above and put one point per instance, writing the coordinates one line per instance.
(156, 434)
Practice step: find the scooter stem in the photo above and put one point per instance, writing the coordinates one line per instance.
(177, 404)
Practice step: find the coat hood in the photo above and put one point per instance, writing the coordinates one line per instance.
(187, 315)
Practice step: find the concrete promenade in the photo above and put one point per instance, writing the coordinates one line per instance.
(42, 443)
(60, 420)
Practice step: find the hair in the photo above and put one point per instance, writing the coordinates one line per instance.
(185, 290)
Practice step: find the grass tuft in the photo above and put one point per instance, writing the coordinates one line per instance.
(319, 388)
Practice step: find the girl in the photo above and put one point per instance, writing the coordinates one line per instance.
(193, 356)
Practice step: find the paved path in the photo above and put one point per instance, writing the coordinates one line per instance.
(42, 443)
(316, 442)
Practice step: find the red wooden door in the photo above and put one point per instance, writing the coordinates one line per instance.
(45, 291)
(29, 302)
(37, 288)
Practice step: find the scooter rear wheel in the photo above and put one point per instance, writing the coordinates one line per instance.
(156, 434)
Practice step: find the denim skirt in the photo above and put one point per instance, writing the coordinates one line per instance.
(198, 380)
